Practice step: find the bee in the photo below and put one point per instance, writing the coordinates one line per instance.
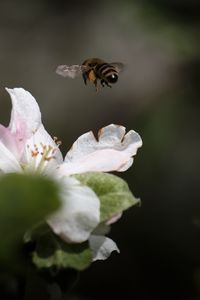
(94, 70)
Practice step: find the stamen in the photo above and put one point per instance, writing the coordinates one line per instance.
(45, 156)
(41, 154)
(34, 153)
(58, 143)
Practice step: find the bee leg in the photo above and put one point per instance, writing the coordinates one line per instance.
(102, 82)
(96, 85)
(108, 84)
(84, 78)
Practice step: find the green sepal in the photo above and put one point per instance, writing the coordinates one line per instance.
(51, 251)
(113, 192)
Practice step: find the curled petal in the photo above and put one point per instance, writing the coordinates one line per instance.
(79, 213)
(102, 247)
(113, 151)
(25, 115)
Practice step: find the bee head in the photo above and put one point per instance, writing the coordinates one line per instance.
(112, 78)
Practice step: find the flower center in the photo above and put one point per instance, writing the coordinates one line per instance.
(39, 155)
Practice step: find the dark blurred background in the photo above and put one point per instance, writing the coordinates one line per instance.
(157, 95)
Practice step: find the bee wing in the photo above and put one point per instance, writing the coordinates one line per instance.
(118, 65)
(70, 71)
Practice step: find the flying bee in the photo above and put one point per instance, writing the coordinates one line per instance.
(93, 70)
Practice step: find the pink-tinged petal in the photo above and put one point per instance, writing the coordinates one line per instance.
(79, 213)
(11, 141)
(113, 151)
(8, 162)
(25, 114)
(114, 219)
(41, 151)
(102, 247)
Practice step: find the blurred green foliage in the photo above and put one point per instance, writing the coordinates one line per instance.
(175, 24)
(25, 200)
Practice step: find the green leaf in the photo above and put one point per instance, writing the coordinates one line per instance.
(113, 192)
(51, 251)
(24, 201)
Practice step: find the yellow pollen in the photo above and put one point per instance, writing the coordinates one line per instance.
(34, 153)
(48, 158)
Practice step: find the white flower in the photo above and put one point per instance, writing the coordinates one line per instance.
(102, 247)
(25, 146)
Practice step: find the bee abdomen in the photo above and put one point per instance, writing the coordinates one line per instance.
(100, 67)
(105, 69)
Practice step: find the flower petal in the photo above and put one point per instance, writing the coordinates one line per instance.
(12, 142)
(114, 219)
(112, 151)
(8, 162)
(25, 115)
(102, 247)
(79, 214)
